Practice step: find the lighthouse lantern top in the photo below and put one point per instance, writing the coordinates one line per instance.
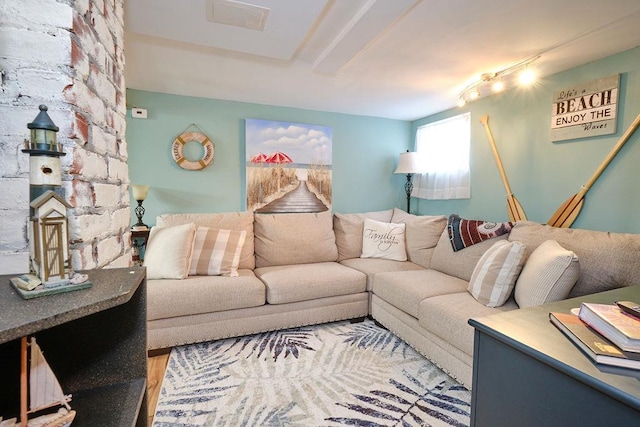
(43, 121)
(43, 134)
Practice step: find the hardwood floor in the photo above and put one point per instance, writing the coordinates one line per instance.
(156, 366)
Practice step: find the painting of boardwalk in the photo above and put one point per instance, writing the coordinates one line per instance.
(288, 167)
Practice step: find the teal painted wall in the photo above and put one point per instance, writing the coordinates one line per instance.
(543, 174)
(365, 152)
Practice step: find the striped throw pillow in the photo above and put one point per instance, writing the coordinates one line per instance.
(216, 252)
(495, 275)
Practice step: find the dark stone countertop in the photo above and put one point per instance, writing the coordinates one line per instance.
(19, 317)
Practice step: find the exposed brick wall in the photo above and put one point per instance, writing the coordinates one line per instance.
(68, 55)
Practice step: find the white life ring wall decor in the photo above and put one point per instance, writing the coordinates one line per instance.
(192, 165)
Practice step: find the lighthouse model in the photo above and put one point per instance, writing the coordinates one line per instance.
(48, 226)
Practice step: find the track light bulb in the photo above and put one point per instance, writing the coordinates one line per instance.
(497, 86)
(527, 77)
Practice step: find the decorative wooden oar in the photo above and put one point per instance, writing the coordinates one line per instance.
(568, 212)
(515, 211)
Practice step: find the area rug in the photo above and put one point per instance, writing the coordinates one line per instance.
(327, 375)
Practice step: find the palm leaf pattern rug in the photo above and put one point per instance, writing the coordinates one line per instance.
(326, 375)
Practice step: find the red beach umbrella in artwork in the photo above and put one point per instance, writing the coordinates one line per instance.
(259, 158)
(279, 157)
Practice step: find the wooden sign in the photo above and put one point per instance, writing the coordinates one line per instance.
(589, 109)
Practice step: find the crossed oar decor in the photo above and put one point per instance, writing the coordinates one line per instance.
(568, 212)
(515, 211)
(570, 209)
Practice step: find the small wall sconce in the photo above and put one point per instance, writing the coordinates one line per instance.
(139, 194)
(408, 164)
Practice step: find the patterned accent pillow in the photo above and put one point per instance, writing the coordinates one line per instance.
(168, 251)
(348, 229)
(383, 240)
(217, 252)
(548, 276)
(466, 232)
(496, 273)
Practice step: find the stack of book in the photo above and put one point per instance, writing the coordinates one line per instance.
(604, 333)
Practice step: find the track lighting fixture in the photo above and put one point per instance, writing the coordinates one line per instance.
(497, 81)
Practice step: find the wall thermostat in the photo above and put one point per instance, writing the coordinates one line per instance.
(139, 113)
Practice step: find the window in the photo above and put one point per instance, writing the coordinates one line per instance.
(443, 147)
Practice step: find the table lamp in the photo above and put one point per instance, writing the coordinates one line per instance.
(139, 194)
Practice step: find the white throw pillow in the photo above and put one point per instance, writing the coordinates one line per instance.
(383, 240)
(496, 272)
(168, 251)
(348, 230)
(217, 252)
(548, 276)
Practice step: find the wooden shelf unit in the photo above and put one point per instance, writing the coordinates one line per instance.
(94, 339)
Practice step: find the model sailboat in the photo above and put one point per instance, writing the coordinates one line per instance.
(44, 392)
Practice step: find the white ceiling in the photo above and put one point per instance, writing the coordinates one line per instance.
(399, 59)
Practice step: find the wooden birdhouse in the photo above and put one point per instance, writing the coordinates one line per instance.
(50, 238)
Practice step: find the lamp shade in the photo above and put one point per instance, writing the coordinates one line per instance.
(408, 163)
(139, 191)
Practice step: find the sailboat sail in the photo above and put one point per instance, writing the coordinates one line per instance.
(44, 390)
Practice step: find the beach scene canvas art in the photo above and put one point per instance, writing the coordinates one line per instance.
(288, 166)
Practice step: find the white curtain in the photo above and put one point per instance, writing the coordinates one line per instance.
(443, 147)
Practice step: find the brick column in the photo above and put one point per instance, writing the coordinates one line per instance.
(69, 57)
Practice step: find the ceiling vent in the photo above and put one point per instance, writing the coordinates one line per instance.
(238, 14)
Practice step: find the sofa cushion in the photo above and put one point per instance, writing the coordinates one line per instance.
(447, 316)
(548, 276)
(383, 240)
(461, 263)
(406, 289)
(495, 274)
(422, 234)
(607, 260)
(348, 231)
(372, 266)
(203, 294)
(296, 238)
(302, 282)
(216, 252)
(227, 220)
(168, 251)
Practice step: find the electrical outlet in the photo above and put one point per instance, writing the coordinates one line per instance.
(139, 113)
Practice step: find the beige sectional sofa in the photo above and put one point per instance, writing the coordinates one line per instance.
(302, 269)
(288, 276)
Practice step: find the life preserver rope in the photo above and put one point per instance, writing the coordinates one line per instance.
(181, 160)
